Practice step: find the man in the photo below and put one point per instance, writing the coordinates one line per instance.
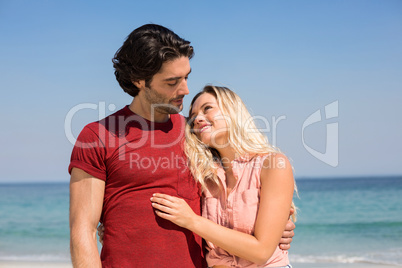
(119, 162)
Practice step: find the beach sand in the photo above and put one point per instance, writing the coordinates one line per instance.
(20, 264)
(341, 265)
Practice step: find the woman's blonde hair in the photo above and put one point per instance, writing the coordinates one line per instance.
(243, 136)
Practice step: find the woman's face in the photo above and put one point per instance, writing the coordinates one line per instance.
(209, 123)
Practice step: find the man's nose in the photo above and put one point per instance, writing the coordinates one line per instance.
(183, 89)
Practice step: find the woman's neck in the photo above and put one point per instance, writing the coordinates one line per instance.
(227, 154)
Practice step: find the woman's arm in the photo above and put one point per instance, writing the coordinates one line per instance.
(275, 201)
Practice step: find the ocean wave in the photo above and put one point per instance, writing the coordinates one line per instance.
(388, 257)
(378, 229)
(41, 257)
(353, 224)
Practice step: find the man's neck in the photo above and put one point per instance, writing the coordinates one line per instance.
(145, 110)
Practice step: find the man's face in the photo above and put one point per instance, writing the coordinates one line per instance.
(168, 87)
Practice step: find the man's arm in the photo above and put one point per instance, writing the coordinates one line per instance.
(86, 200)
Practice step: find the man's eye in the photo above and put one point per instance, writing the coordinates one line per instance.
(173, 83)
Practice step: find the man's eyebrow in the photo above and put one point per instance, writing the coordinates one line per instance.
(176, 78)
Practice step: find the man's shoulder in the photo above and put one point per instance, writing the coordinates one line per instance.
(178, 117)
(108, 122)
(181, 116)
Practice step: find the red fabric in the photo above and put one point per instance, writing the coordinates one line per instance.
(137, 158)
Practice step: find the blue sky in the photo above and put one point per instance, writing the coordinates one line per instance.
(286, 59)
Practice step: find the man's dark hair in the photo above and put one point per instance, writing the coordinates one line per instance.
(144, 52)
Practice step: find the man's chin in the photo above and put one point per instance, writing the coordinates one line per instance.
(175, 109)
(171, 109)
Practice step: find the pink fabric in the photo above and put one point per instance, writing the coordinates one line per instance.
(238, 211)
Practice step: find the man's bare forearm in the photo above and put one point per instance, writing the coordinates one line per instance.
(86, 200)
(84, 249)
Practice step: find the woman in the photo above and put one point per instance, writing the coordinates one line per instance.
(247, 185)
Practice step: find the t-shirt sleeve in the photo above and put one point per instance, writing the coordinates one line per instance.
(89, 154)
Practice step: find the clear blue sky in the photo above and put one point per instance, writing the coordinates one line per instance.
(284, 58)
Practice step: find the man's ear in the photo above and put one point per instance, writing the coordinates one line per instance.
(140, 84)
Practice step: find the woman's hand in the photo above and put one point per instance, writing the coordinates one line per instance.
(101, 231)
(173, 209)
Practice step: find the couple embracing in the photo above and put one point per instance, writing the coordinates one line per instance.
(224, 182)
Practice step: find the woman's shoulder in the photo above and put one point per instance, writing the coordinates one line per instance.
(275, 162)
(272, 158)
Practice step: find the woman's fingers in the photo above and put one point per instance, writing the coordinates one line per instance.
(165, 203)
(166, 197)
(165, 200)
(173, 209)
(161, 201)
(161, 207)
(164, 215)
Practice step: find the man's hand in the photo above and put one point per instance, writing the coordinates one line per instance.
(288, 234)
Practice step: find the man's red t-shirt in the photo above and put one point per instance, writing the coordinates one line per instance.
(136, 158)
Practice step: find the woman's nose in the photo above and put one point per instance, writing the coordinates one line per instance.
(198, 119)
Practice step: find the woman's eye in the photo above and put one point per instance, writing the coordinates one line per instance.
(207, 108)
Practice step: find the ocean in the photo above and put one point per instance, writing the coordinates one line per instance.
(342, 220)
(349, 220)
